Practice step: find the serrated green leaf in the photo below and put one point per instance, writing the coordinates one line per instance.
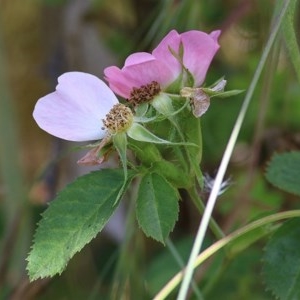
(72, 220)
(281, 261)
(157, 206)
(284, 172)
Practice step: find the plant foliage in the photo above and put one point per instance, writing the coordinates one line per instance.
(281, 261)
(284, 172)
(72, 220)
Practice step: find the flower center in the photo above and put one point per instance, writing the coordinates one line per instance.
(119, 119)
(145, 93)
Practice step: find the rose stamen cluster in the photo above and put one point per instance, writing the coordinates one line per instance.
(144, 94)
(119, 119)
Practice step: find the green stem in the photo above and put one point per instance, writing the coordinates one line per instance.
(126, 281)
(173, 96)
(207, 253)
(196, 169)
(192, 191)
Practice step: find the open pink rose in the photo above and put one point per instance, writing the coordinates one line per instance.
(75, 111)
(84, 108)
(196, 49)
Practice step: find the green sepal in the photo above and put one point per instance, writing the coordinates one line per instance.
(190, 127)
(151, 159)
(217, 90)
(141, 109)
(174, 174)
(163, 104)
(140, 133)
(146, 120)
(146, 153)
(187, 76)
(226, 94)
(175, 86)
(217, 82)
(190, 81)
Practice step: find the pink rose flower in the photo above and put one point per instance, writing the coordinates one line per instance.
(83, 108)
(193, 50)
(76, 110)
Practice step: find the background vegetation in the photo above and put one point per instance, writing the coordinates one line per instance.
(41, 39)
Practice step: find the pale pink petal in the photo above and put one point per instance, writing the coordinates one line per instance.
(75, 110)
(163, 52)
(117, 81)
(137, 58)
(215, 35)
(199, 50)
(148, 71)
(164, 65)
(122, 81)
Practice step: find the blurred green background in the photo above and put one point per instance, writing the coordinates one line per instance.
(41, 39)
